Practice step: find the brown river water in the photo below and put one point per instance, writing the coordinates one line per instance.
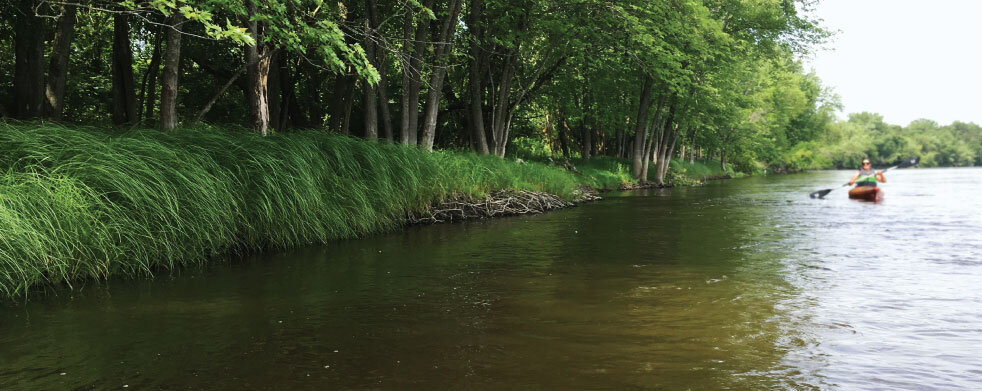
(743, 284)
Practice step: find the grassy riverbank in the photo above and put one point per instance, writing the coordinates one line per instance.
(79, 203)
(88, 203)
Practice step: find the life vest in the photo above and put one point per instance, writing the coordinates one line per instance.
(866, 178)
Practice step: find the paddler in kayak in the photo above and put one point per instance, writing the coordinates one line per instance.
(866, 176)
(865, 181)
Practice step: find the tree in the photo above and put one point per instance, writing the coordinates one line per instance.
(123, 90)
(28, 52)
(54, 91)
(169, 83)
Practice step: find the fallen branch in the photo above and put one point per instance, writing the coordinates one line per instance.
(496, 204)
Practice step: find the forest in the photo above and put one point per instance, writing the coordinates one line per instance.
(636, 80)
(631, 79)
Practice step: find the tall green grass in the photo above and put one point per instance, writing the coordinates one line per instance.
(681, 172)
(605, 172)
(89, 203)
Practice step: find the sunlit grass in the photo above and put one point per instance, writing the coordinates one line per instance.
(88, 203)
(605, 172)
(683, 172)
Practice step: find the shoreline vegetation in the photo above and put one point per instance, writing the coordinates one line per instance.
(550, 100)
(86, 203)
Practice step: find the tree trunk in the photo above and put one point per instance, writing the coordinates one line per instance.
(432, 107)
(620, 138)
(640, 124)
(123, 89)
(664, 166)
(221, 91)
(598, 137)
(663, 154)
(503, 104)
(369, 100)
(501, 107)
(274, 89)
(257, 76)
(692, 147)
(313, 101)
(28, 53)
(562, 128)
(442, 50)
(650, 144)
(287, 92)
(344, 88)
(54, 91)
(148, 89)
(412, 75)
(348, 104)
(475, 86)
(587, 142)
(169, 82)
(504, 142)
(385, 115)
(407, 75)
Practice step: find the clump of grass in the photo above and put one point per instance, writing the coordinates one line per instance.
(472, 174)
(79, 203)
(606, 172)
(682, 172)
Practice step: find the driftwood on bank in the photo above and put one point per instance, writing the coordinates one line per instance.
(497, 204)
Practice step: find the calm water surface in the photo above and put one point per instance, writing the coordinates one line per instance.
(744, 284)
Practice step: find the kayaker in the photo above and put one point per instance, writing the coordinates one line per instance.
(866, 176)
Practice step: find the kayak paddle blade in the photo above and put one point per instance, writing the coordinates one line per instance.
(820, 193)
(910, 162)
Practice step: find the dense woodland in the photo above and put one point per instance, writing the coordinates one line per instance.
(633, 79)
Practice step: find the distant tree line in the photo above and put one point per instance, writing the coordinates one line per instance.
(844, 144)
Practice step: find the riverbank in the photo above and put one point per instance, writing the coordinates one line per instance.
(89, 203)
(81, 203)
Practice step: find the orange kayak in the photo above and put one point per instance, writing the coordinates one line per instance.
(869, 193)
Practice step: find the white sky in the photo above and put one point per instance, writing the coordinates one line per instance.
(904, 59)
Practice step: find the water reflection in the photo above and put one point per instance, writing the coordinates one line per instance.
(743, 284)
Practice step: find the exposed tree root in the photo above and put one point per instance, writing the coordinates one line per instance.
(646, 185)
(497, 204)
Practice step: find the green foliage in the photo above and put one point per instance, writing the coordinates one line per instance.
(601, 172)
(807, 156)
(700, 169)
(88, 94)
(683, 173)
(529, 148)
(303, 27)
(846, 143)
(605, 172)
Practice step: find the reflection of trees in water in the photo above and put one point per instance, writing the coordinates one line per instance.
(676, 289)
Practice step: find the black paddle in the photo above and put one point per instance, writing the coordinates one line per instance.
(907, 163)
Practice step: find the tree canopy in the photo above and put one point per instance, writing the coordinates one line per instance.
(643, 80)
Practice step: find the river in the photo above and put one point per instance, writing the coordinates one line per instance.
(743, 284)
